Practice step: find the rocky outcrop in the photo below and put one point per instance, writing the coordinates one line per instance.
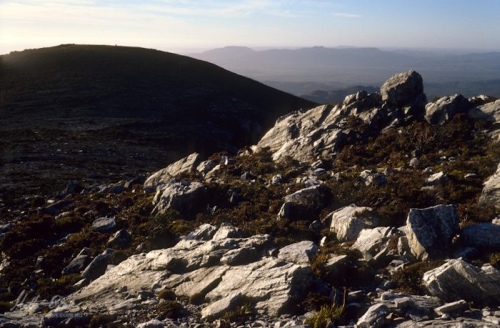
(374, 317)
(163, 176)
(491, 190)
(444, 109)
(196, 269)
(405, 89)
(299, 253)
(430, 230)
(185, 197)
(482, 235)
(104, 224)
(489, 111)
(457, 279)
(302, 202)
(348, 222)
(325, 129)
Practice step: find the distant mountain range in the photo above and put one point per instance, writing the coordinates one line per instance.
(303, 71)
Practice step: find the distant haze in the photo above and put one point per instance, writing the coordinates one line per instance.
(181, 26)
(306, 70)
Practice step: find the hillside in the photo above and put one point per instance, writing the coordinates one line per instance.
(93, 111)
(379, 211)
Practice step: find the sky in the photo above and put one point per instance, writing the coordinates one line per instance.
(194, 25)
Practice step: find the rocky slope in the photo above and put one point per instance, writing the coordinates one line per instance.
(380, 211)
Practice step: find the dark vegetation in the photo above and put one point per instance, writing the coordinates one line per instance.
(37, 163)
(102, 112)
(40, 246)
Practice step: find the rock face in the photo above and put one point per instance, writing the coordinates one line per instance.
(195, 268)
(444, 109)
(301, 202)
(403, 89)
(483, 235)
(325, 129)
(348, 222)
(491, 190)
(374, 317)
(299, 253)
(430, 230)
(163, 176)
(457, 279)
(185, 197)
(489, 111)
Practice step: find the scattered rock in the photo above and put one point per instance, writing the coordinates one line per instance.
(444, 109)
(482, 235)
(121, 239)
(371, 241)
(405, 89)
(491, 190)
(163, 177)
(187, 198)
(374, 317)
(299, 253)
(104, 224)
(457, 279)
(430, 230)
(98, 266)
(348, 222)
(437, 179)
(457, 306)
(154, 323)
(77, 264)
(302, 202)
(373, 178)
(56, 208)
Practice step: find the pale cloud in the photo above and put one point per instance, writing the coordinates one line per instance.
(346, 15)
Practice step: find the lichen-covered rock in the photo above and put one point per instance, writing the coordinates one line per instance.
(98, 266)
(348, 222)
(302, 202)
(482, 235)
(371, 241)
(444, 109)
(104, 224)
(457, 279)
(430, 230)
(187, 198)
(491, 191)
(372, 178)
(299, 253)
(374, 317)
(163, 176)
(403, 89)
(208, 272)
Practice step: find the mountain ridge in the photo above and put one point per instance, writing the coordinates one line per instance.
(363, 66)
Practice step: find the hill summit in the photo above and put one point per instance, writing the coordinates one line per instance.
(79, 105)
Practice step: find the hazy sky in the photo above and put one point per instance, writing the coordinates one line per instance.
(181, 25)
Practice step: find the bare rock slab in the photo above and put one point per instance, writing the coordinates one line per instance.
(491, 191)
(430, 230)
(457, 279)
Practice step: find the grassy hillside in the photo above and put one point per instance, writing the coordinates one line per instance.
(94, 110)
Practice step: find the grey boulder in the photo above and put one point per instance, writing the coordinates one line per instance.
(457, 279)
(430, 230)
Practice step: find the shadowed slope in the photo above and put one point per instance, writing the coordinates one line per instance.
(78, 104)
